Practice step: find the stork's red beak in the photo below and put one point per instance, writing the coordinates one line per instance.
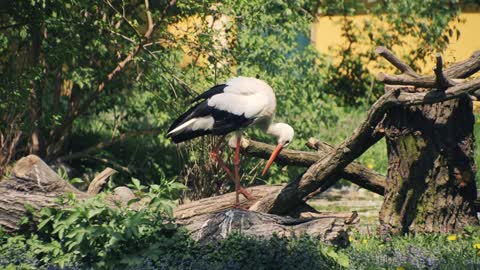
(272, 158)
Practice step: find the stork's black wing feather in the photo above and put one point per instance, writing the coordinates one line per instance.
(217, 89)
(224, 121)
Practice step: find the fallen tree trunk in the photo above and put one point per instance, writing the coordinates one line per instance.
(32, 182)
(218, 225)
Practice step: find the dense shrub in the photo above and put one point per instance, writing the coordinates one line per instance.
(459, 251)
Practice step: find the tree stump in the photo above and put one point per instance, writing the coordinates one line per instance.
(431, 175)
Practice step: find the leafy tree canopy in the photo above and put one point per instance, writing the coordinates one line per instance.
(83, 81)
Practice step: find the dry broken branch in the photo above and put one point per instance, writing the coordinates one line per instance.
(441, 80)
(354, 172)
(397, 62)
(459, 70)
(99, 181)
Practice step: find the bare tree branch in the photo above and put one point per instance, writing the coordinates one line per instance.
(397, 62)
(458, 70)
(354, 172)
(149, 16)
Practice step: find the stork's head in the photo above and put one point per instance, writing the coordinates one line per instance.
(284, 133)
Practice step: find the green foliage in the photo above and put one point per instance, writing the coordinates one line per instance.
(16, 252)
(56, 58)
(408, 27)
(63, 173)
(416, 251)
(100, 234)
(105, 236)
(178, 251)
(243, 252)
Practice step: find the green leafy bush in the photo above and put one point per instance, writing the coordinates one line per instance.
(416, 251)
(172, 248)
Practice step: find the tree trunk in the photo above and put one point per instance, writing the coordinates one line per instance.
(431, 175)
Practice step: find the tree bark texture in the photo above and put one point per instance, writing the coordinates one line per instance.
(216, 226)
(431, 175)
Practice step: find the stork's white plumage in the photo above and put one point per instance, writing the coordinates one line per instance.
(239, 103)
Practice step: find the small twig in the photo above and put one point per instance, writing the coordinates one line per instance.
(122, 36)
(124, 18)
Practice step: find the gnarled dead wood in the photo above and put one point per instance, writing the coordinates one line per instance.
(99, 181)
(34, 183)
(328, 169)
(459, 70)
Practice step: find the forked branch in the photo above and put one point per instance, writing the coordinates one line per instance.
(442, 78)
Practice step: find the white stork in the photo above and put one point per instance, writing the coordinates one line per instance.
(239, 103)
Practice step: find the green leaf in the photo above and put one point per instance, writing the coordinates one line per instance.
(44, 222)
(29, 208)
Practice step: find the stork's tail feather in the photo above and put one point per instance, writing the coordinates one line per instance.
(193, 123)
(188, 135)
(182, 132)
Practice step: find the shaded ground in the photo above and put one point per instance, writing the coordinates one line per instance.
(351, 198)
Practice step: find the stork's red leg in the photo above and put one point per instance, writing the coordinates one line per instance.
(215, 155)
(236, 162)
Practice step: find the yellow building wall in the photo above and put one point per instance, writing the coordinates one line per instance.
(326, 34)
